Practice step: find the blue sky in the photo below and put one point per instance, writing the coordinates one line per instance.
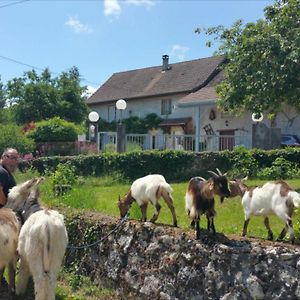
(104, 37)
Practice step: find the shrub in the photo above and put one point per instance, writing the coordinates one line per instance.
(243, 162)
(54, 130)
(12, 136)
(63, 178)
(280, 169)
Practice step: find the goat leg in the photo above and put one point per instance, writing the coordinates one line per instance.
(198, 229)
(245, 227)
(192, 225)
(144, 212)
(12, 274)
(155, 216)
(270, 233)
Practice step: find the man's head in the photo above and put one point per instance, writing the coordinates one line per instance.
(9, 159)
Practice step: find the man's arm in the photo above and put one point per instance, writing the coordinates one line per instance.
(2, 197)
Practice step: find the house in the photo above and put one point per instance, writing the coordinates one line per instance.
(183, 94)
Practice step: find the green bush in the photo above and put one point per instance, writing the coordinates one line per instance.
(12, 137)
(54, 130)
(243, 162)
(174, 165)
(63, 178)
(280, 169)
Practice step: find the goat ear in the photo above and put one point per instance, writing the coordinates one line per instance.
(244, 179)
(224, 174)
(39, 180)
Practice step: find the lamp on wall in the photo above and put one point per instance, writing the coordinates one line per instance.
(257, 117)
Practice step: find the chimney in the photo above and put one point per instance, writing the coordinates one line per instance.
(165, 65)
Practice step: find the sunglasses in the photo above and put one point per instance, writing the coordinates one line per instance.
(12, 157)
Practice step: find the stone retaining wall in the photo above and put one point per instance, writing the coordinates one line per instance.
(147, 261)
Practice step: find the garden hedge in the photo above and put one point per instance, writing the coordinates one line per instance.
(174, 165)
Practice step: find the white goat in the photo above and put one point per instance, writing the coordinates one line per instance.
(272, 198)
(9, 233)
(148, 189)
(42, 241)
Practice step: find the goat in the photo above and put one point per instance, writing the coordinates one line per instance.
(148, 189)
(199, 199)
(42, 241)
(272, 198)
(9, 233)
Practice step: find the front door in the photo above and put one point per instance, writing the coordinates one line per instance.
(226, 141)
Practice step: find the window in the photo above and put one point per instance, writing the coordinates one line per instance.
(166, 106)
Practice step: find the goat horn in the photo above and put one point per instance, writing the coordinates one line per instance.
(201, 178)
(213, 173)
(220, 173)
(119, 198)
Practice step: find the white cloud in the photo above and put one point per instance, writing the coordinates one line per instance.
(178, 52)
(90, 91)
(77, 26)
(146, 3)
(112, 8)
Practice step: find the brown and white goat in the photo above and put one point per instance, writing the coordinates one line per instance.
(148, 189)
(42, 241)
(9, 233)
(272, 198)
(199, 199)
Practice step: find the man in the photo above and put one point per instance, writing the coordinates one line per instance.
(8, 164)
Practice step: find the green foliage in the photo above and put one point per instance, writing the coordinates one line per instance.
(12, 136)
(280, 169)
(133, 124)
(63, 178)
(54, 130)
(264, 61)
(41, 97)
(174, 165)
(243, 162)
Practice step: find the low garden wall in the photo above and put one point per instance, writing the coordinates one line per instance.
(147, 261)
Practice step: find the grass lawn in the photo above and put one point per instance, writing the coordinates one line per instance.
(101, 194)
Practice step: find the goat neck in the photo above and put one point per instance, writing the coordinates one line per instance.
(31, 206)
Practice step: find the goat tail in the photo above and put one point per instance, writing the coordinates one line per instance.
(295, 198)
(165, 187)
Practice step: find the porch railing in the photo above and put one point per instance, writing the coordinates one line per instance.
(108, 141)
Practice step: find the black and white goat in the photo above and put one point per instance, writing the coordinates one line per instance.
(148, 189)
(272, 198)
(42, 241)
(199, 199)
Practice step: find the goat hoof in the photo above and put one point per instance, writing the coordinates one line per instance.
(175, 224)
(270, 237)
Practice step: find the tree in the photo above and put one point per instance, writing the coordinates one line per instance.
(264, 60)
(40, 97)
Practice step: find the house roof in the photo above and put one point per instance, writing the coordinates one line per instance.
(206, 94)
(182, 77)
(175, 121)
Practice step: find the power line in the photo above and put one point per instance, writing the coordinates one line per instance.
(13, 3)
(38, 68)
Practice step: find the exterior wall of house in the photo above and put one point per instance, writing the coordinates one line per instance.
(242, 125)
(141, 108)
